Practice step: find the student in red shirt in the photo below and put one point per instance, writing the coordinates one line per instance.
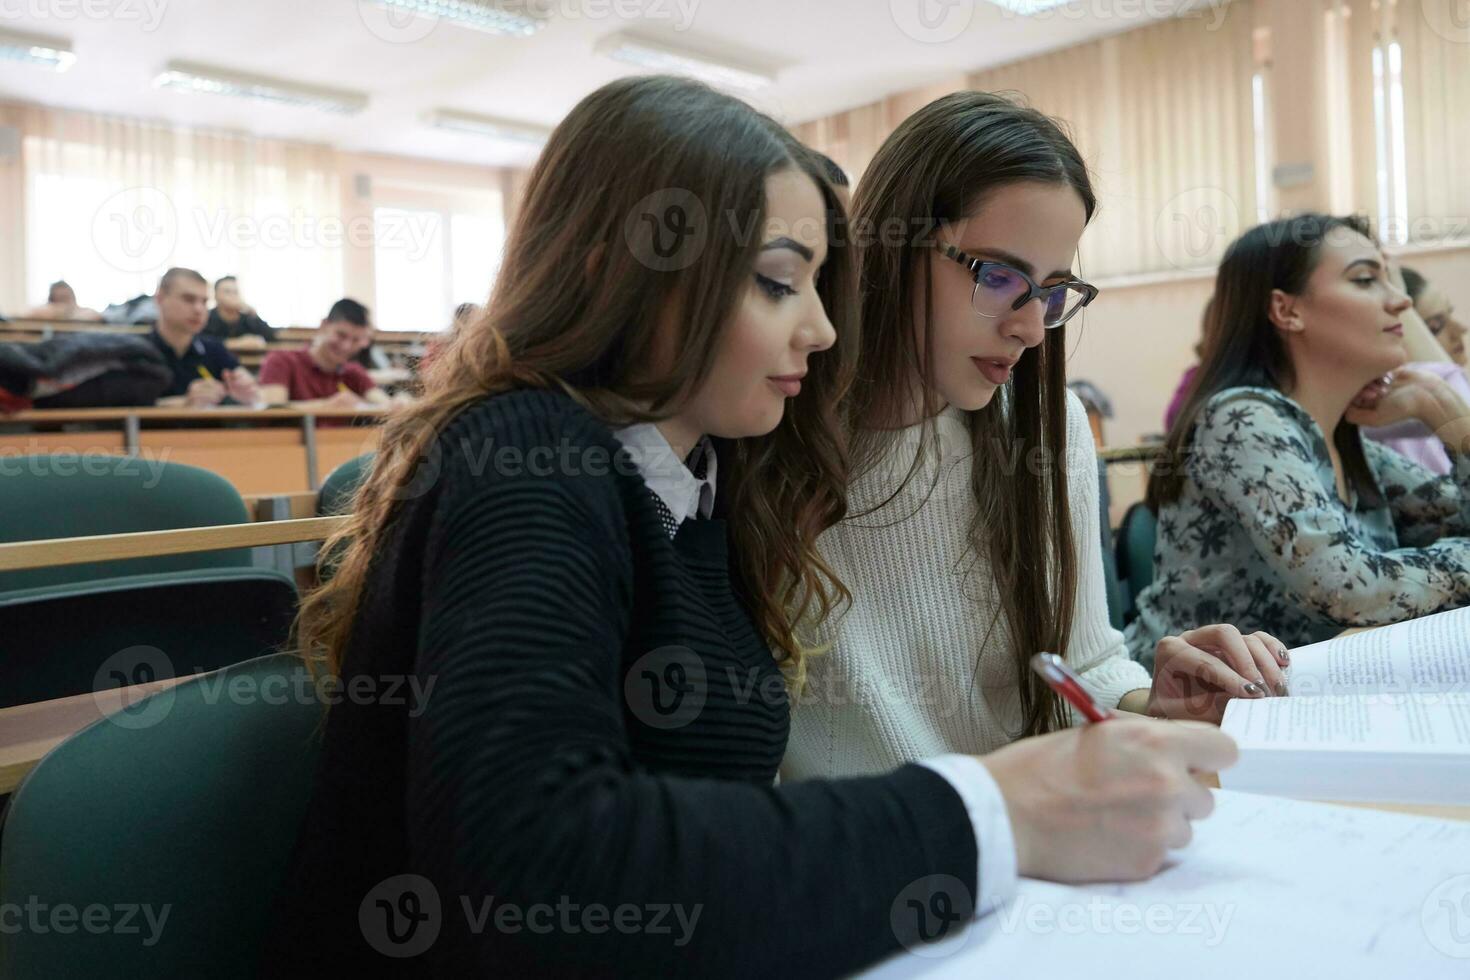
(325, 375)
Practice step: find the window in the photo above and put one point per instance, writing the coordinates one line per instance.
(1388, 119)
(432, 253)
(1261, 123)
(114, 204)
(408, 263)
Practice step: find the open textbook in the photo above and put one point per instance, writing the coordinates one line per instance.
(1268, 887)
(1379, 716)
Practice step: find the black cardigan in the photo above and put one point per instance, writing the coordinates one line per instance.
(554, 776)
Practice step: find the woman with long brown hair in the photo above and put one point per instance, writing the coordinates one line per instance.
(1273, 509)
(972, 541)
(582, 547)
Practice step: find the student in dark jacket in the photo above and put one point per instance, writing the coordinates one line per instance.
(234, 319)
(588, 549)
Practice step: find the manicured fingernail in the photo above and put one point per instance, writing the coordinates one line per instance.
(1283, 656)
(1254, 690)
(1281, 689)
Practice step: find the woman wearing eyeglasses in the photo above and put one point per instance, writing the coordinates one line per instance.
(972, 541)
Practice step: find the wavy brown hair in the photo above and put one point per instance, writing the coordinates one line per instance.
(587, 303)
(938, 167)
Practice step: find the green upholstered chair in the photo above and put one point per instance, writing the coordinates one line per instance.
(1136, 538)
(188, 801)
(335, 496)
(69, 495)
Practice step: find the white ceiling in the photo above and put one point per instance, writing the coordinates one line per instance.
(830, 55)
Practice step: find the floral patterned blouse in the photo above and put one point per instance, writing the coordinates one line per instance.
(1260, 539)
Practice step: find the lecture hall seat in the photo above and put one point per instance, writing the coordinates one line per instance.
(200, 611)
(189, 799)
(335, 496)
(1137, 536)
(67, 495)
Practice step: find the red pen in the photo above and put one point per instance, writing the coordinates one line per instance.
(1060, 678)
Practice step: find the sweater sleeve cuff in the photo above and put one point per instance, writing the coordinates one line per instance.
(1110, 681)
(994, 842)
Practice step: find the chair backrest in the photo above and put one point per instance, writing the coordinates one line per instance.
(56, 639)
(185, 805)
(1136, 539)
(69, 495)
(335, 496)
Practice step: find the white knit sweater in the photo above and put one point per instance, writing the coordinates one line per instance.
(899, 683)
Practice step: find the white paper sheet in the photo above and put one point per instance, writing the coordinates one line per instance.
(1268, 888)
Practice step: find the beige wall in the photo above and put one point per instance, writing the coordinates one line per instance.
(12, 222)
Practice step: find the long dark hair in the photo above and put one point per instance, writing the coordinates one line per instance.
(577, 308)
(1243, 348)
(938, 166)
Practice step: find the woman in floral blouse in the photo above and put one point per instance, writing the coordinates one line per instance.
(1263, 521)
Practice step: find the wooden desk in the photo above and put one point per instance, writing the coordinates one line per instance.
(259, 450)
(33, 330)
(29, 731)
(1417, 809)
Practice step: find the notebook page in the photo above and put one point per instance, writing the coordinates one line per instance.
(1269, 887)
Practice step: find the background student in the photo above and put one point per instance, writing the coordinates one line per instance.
(325, 375)
(1438, 313)
(205, 373)
(235, 321)
(61, 304)
(1273, 511)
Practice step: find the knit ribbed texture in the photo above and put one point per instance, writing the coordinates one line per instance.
(534, 777)
(900, 679)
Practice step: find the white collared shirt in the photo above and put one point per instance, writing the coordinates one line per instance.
(670, 478)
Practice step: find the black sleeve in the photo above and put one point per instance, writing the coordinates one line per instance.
(522, 789)
(215, 327)
(261, 329)
(226, 358)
